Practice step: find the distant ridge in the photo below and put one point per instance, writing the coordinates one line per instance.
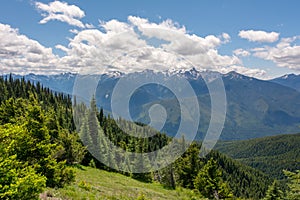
(269, 154)
(255, 108)
(289, 80)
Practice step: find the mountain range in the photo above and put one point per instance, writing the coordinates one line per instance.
(255, 108)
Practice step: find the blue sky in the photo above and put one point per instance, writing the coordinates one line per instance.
(263, 35)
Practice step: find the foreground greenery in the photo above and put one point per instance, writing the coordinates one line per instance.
(93, 183)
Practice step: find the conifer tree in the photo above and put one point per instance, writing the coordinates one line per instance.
(142, 163)
(93, 122)
(274, 192)
(294, 184)
(18, 180)
(188, 166)
(209, 182)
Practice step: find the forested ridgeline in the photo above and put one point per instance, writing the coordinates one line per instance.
(39, 148)
(271, 154)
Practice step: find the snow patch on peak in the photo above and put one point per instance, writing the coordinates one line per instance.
(235, 75)
(287, 76)
(114, 74)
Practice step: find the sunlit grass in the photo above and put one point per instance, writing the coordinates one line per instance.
(93, 183)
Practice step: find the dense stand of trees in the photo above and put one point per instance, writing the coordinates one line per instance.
(37, 141)
(269, 154)
(227, 178)
(39, 144)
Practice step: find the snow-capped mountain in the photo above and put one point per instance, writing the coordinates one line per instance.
(289, 80)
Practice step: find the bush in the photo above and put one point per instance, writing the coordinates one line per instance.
(19, 181)
(84, 185)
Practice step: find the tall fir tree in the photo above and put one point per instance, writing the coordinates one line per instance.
(209, 182)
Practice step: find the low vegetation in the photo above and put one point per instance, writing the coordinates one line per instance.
(92, 183)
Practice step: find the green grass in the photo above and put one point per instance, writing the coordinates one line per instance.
(93, 183)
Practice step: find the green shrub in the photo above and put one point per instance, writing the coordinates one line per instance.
(19, 181)
(84, 185)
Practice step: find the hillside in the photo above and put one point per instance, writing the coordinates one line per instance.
(93, 183)
(269, 154)
(289, 80)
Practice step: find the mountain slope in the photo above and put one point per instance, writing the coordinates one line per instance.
(99, 184)
(255, 108)
(269, 154)
(289, 80)
(241, 178)
(259, 108)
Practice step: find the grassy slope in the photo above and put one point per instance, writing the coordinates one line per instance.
(98, 184)
(270, 154)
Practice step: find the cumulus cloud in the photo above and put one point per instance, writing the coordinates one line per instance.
(241, 52)
(20, 54)
(259, 36)
(74, 31)
(201, 51)
(93, 49)
(89, 26)
(61, 11)
(284, 54)
(122, 46)
(226, 37)
(61, 47)
(177, 37)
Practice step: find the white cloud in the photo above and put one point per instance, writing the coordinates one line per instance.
(284, 54)
(259, 36)
(241, 52)
(201, 51)
(61, 11)
(89, 26)
(179, 40)
(74, 31)
(20, 54)
(226, 37)
(94, 50)
(123, 46)
(61, 47)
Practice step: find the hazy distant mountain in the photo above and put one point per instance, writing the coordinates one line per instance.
(255, 108)
(289, 80)
(59, 83)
